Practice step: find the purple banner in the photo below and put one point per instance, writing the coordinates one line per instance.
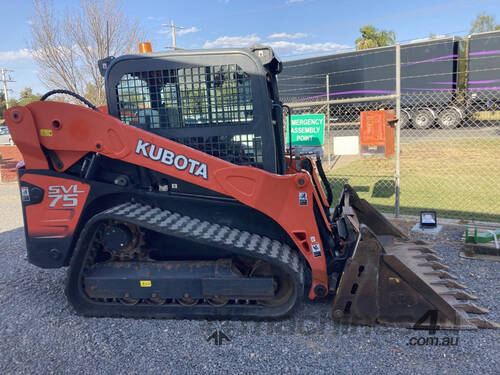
(384, 92)
(486, 81)
(484, 88)
(426, 89)
(482, 53)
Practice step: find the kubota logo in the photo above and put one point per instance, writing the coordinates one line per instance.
(167, 157)
(66, 196)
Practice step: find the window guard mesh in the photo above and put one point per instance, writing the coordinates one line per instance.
(186, 97)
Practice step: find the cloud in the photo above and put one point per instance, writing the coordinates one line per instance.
(284, 47)
(21, 54)
(232, 41)
(190, 30)
(287, 36)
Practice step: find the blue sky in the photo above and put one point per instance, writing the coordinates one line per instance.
(295, 28)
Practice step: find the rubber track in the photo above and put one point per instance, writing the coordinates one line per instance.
(202, 232)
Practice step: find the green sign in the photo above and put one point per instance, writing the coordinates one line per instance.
(307, 130)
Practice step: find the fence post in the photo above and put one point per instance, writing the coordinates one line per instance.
(328, 97)
(398, 128)
(327, 120)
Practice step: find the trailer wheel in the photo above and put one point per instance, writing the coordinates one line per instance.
(404, 119)
(423, 118)
(449, 118)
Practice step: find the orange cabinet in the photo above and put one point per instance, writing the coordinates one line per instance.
(377, 132)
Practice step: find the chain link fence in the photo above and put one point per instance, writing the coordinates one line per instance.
(450, 154)
(446, 95)
(449, 158)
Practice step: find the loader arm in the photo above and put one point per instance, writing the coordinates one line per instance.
(68, 132)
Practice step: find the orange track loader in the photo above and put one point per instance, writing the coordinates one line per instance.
(179, 201)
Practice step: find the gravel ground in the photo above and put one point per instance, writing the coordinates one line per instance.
(40, 332)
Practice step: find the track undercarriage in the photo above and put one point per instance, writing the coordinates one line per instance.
(231, 273)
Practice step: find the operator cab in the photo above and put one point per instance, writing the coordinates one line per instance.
(224, 103)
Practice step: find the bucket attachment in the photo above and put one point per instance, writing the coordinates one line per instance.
(392, 281)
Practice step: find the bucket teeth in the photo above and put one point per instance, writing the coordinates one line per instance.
(449, 284)
(423, 250)
(441, 274)
(421, 242)
(470, 308)
(435, 265)
(484, 323)
(392, 280)
(459, 294)
(428, 257)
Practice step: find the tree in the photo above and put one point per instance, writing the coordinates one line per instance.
(372, 37)
(26, 96)
(484, 22)
(3, 106)
(67, 46)
(12, 102)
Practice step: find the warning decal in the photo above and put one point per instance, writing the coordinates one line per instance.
(316, 250)
(302, 198)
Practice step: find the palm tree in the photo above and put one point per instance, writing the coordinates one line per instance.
(371, 38)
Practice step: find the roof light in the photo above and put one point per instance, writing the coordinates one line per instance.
(145, 47)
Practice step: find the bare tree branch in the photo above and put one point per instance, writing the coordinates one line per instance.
(67, 46)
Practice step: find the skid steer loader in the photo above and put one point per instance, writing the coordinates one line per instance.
(178, 201)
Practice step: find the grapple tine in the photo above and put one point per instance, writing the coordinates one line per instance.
(461, 295)
(449, 284)
(471, 308)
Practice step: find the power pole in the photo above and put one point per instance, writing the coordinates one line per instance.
(5, 81)
(172, 31)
